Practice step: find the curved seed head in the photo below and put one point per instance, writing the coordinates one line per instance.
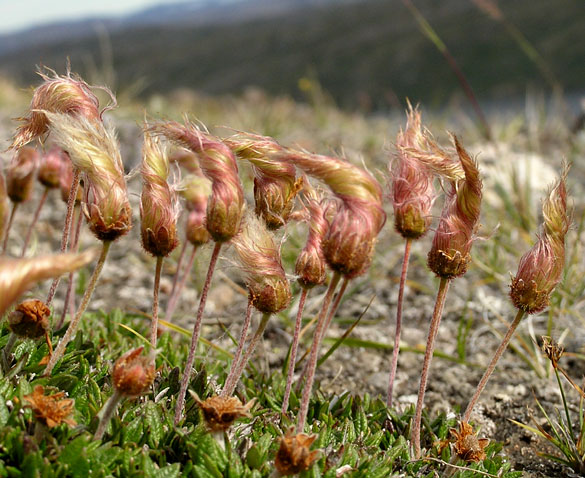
(226, 204)
(450, 252)
(66, 94)
(158, 204)
(259, 259)
(133, 373)
(540, 269)
(18, 275)
(20, 174)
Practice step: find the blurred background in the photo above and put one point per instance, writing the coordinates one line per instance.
(359, 55)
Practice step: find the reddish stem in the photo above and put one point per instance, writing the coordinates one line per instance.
(433, 330)
(396, 349)
(293, 350)
(67, 228)
(491, 367)
(176, 293)
(34, 221)
(154, 320)
(195, 337)
(312, 365)
(335, 306)
(238, 354)
(8, 226)
(178, 272)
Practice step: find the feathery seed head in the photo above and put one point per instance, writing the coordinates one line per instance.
(540, 269)
(67, 94)
(51, 167)
(20, 174)
(186, 159)
(158, 204)
(311, 267)
(18, 275)
(349, 243)
(259, 259)
(195, 189)
(133, 373)
(450, 253)
(30, 319)
(412, 181)
(226, 204)
(94, 150)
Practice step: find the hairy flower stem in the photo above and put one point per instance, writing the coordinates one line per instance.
(69, 302)
(490, 368)
(34, 221)
(229, 390)
(195, 337)
(8, 226)
(433, 330)
(293, 351)
(312, 364)
(108, 410)
(178, 271)
(177, 289)
(74, 324)
(66, 229)
(398, 329)
(335, 306)
(238, 354)
(154, 320)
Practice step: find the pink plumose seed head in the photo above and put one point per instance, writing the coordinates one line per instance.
(226, 204)
(412, 181)
(158, 203)
(51, 167)
(66, 94)
(259, 259)
(20, 174)
(540, 269)
(450, 252)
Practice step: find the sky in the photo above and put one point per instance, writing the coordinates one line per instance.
(19, 14)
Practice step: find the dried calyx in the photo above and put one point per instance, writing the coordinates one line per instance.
(221, 412)
(133, 373)
(51, 410)
(30, 319)
(294, 454)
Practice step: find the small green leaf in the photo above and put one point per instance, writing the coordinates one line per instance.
(154, 427)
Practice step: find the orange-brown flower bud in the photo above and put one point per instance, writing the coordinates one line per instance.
(158, 204)
(30, 319)
(259, 259)
(133, 373)
(21, 174)
(275, 182)
(51, 167)
(221, 412)
(310, 267)
(58, 94)
(450, 253)
(540, 269)
(294, 454)
(412, 182)
(18, 275)
(94, 151)
(226, 204)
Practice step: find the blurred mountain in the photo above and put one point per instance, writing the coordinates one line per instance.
(367, 53)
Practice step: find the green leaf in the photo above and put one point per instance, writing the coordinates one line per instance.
(169, 471)
(154, 427)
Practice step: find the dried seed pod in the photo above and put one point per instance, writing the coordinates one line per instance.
(67, 94)
(51, 410)
(133, 373)
(51, 167)
(18, 275)
(221, 412)
(20, 174)
(450, 252)
(94, 151)
(467, 446)
(30, 319)
(541, 268)
(294, 454)
(226, 204)
(158, 204)
(259, 259)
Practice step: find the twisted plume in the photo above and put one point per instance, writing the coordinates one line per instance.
(450, 252)
(226, 204)
(19, 275)
(94, 150)
(540, 269)
(158, 204)
(259, 260)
